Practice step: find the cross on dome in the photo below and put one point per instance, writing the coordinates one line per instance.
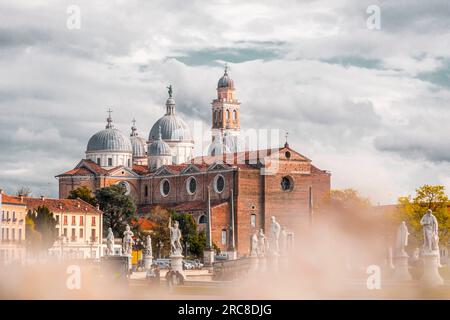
(109, 120)
(133, 128)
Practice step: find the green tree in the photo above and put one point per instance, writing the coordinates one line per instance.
(412, 210)
(41, 228)
(197, 244)
(160, 233)
(83, 193)
(190, 234)
(33, 238)
(118, 208)
(189, 231)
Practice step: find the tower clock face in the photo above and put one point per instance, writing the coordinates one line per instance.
(126, 186)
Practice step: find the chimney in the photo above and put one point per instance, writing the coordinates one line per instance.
(1, 191)
(97, 207)
(21, 197)
(43, 198)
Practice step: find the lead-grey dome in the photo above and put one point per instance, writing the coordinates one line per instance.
(138, 144)
(109, 139)
(225, 81)
(173, 128)
(159, 147)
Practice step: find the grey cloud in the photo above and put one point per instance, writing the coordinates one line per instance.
(311, 67)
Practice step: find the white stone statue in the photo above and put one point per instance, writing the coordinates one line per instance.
(274, 235)
(430, 232)
(402, 240)
(127, 245)
(175, 238)
(261, 243)
(254, 245)
(110, 243)
(148, 247)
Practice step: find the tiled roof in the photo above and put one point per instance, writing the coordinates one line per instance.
(85, 167)
(93, 166)
(61, 205)
(77, 171)
(140, 169)
(243, 160)
(237, 157)
(315, 169)
(11, 200)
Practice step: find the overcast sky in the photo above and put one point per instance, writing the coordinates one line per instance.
(371, 106)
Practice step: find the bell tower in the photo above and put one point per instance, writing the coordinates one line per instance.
(226, 113)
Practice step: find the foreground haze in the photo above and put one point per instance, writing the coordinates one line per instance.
(371, 106)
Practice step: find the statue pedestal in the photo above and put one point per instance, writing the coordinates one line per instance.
(401, 271)
(176, 262)
(208, 257)
(431, 276)
(148, 261)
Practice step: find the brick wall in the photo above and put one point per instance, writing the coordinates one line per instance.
(220, 217)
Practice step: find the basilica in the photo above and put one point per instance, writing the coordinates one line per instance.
(232, 193)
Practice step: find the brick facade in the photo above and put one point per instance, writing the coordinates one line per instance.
(253, 179)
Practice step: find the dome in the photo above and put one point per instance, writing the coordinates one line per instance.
(225, 81)
(173, 128)
(109, 139)
(138, 144)
(159, 147)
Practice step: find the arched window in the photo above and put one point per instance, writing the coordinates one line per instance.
(202, 219)
(234, 115)
(228, 114)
